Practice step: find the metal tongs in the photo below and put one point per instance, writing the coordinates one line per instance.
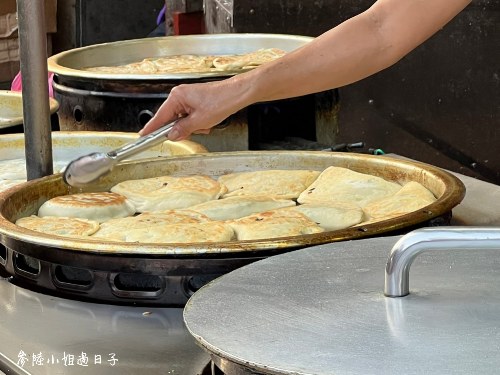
(91, 168)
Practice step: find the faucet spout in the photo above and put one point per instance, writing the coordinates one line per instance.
(397, 270)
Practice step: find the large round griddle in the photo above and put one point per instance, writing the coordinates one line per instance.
(168, 274)
(11, 108)
(25, 199)
(125, 102)
(70, 63)
(67, 146)
(322, 310)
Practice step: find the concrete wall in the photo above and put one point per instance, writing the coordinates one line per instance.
(440, 104)
(87, 22)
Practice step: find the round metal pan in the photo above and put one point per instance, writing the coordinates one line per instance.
(11, 108)
(25, 199)
(70, 63)
(68, 146)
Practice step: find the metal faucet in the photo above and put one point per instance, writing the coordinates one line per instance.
(397, 270)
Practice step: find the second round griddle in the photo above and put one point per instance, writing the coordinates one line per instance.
(322, 311)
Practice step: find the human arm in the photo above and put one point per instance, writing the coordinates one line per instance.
(356, 49)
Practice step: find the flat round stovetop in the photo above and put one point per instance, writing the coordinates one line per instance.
(322, 310)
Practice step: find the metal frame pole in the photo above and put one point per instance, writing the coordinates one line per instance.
(36, 111)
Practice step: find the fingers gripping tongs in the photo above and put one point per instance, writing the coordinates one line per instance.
(91, 168)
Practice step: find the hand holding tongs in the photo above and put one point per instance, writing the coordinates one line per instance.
(91, 168)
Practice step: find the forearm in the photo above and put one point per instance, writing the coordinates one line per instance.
(354, 50)
(348, 53)
(345, 54)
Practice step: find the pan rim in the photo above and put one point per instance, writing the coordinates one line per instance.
(452, 195)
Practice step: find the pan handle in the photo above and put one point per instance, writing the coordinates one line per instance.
(397, 269)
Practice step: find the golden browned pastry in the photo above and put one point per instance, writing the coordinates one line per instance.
(337, 184)
(332, 216)
(273, 224)
(100, 207)
(240, 206)
(213, 231)
(193, 63)
(410, 198)
(168, 193)
(284, 184)
(119, 227)
(60, 226)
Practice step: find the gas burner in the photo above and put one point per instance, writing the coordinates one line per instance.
(120, 280)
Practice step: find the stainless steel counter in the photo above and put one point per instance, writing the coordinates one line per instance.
(155, 343)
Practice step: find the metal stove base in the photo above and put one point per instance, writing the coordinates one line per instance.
(142, 282)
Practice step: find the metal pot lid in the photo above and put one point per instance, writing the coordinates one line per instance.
(70, 63)
(11, 108)
(322, 310)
